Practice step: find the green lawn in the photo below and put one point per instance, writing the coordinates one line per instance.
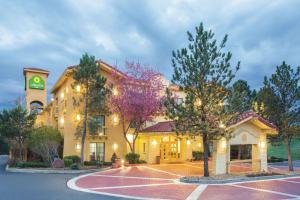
(280, 151)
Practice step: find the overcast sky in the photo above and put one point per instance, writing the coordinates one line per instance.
(53, 34)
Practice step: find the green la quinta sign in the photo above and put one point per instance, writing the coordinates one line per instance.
(36, 82)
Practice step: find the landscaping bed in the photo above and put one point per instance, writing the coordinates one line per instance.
(232, 178)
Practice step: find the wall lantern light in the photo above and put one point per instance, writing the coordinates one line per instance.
(115, 146)
(62, 95)
(262, 144)
(222, 125)
(115, 92)
(62, 121)
(199, 144)
(115, 119)
(154, 142)
(223, 144)
(188, 142)
(52, 99)
(78, 88)
(77, 147)
(78, 117)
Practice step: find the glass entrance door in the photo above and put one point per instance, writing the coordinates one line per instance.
(97, 151)
(170, 151)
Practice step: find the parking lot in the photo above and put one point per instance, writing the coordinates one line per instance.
(161, 182)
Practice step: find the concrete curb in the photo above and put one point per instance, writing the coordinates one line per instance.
(51, 171)
(196, 180)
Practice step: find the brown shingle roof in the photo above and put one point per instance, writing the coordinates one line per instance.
(168, 126)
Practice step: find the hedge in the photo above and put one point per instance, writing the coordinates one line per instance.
(32, 165)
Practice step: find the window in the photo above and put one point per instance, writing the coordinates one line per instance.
(97, 125)
(97, 151)
(241, 152)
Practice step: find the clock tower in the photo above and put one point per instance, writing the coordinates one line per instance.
(35, 89)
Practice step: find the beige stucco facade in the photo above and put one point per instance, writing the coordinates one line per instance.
(153, 146)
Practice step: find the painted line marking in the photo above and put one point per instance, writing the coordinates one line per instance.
(158, 170)
(197, 192)
(72, 185)
(130, 186)
(289, 181)
(271, 179)
(193, 166)
(264, 190)
(134, 177)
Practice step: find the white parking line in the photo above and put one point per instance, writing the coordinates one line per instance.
(264, 190)
(133, 177)
(289, 181)
(129, 186)
(158, 170)
(197, 192)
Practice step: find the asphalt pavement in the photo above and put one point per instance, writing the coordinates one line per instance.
(22, 186)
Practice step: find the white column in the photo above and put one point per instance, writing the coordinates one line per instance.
(220, 155)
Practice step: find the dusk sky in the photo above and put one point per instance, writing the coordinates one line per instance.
(54, 34)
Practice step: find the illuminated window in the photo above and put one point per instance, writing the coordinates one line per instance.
(97, 151)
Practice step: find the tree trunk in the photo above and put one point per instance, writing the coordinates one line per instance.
(84, 127)
(205, 149)
(288, 149)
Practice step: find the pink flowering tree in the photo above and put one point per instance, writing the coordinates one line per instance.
(138, 99)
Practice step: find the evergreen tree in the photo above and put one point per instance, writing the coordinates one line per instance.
(15, 125)
(240, 98)
(203, 72)
(279, 101)
(92, 96)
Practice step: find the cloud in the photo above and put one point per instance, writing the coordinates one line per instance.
(54, 34)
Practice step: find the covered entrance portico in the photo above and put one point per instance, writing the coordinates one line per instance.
(247, 146)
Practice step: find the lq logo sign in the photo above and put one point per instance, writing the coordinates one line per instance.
(36, 82)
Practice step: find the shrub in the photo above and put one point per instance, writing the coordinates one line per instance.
(75, 166)
(68, 162)
(132, 158)
(113, 158)
(45, 141)
(276, 159)
(74, 158)
(32, 164)
(197, 155)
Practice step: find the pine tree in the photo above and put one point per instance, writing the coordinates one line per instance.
(93, 95)
(280, 97)
(203, 72)
(240, 98)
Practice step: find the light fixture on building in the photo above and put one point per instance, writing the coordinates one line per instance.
(129, 137)
(115, 119)
(122, 162)
(62, 121)
(188, 142)
(222, 125)
(115, 92)
(77, 147)
(198, 102)
(115, 146)
(199, 144)
(52, 99)
(78, 88)
(78, 117)
(154, 142)
(223, 144)
(67, 90)
(62, 95)
(262, 144)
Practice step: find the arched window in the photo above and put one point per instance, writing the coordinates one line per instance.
(36, 107)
